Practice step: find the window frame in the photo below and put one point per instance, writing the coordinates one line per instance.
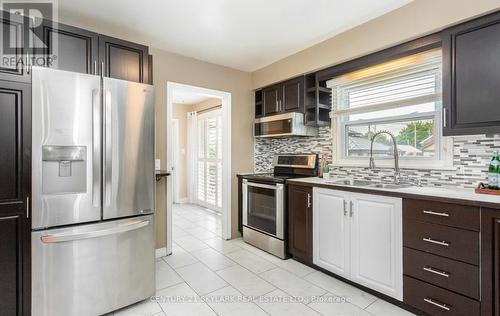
(205, 159)
(443, 157)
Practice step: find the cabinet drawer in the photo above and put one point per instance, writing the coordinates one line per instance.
(455, 215)
(457, 276)
(436, 301)
(442, 240)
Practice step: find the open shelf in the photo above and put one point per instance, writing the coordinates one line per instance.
(317, 102)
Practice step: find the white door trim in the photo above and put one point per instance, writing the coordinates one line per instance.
(175, 158)
(226, 159)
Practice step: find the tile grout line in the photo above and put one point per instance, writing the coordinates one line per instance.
(253, 273)
(258, 275)
(371, 304)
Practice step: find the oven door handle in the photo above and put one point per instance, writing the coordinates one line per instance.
(260, 185)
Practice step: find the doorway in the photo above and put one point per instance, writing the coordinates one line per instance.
(198, 155)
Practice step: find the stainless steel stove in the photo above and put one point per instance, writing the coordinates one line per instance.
(264, 201)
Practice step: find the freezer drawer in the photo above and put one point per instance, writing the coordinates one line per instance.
(93, 269)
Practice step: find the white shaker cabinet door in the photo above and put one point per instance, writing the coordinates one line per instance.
(331, 230)
(376, 243)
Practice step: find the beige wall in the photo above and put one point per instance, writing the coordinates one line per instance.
(207, 104)
(418, 18)
(176, 68)
(180, 113)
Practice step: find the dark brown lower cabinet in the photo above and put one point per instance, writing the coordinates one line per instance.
(436, 301)
(15, 189)
(15, 265)
(300, 222)
(490, 262)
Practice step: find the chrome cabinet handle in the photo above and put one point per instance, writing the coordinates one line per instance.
(444, 117)
(345, 208)
(351, 212)
(102, 68)
(435, 271)
(438, 304)
(308, 200)
(95, 67)
(27, 207)
(437, 242)
(436, 213)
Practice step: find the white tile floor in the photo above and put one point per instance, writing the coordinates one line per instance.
(206, 275)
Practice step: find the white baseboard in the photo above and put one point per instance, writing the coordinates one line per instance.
(160, 252)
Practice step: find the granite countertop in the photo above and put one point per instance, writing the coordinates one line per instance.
(459, 195)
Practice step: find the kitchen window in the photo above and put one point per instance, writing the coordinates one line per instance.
(402, 96)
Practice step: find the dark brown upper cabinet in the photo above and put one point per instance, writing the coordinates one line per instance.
(15, 189)
(283, 97)
(293, 95)
(471, 76)
(300, 222)
(73, 49)
(272, 97)
(15, 47)
(150, 69)
(123, 60)
(67, 48)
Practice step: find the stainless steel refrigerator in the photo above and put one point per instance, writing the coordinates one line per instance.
(93, 193)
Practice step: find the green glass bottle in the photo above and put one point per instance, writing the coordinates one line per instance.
(494, 171)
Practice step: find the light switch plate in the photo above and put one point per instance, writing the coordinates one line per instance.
(157, 164)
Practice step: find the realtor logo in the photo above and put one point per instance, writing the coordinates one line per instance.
(21, 40)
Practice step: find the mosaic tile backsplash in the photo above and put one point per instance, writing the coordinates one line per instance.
(471, 156)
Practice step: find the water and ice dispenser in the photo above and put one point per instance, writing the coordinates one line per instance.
(64, 169)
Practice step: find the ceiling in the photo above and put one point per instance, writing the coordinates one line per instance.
(241, 34)
(182, 97)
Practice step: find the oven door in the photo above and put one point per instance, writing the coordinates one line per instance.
(263, 207)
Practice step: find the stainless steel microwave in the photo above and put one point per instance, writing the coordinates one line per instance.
(286, 124)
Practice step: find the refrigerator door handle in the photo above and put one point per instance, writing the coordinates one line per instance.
(107, 147)
(96, 151)
(55, 238)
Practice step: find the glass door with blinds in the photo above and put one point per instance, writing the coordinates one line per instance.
(210, 160)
